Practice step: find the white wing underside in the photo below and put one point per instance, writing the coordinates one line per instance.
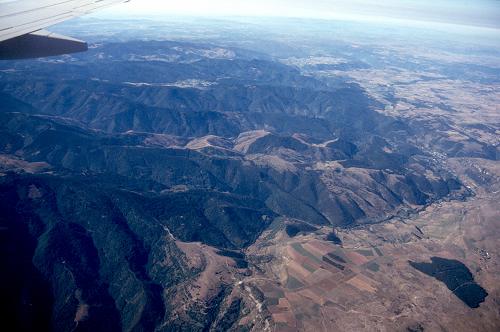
(23, 18)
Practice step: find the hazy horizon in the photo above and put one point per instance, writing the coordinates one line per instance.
(481, 13)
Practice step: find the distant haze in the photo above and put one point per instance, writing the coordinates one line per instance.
(484, 13)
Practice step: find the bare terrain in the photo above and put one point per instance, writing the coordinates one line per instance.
(366, 284)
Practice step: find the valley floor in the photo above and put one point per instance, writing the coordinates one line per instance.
(367, 283)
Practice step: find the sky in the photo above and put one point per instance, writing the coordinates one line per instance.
(483, 13)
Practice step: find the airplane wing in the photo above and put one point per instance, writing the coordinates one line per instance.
(22, 23)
